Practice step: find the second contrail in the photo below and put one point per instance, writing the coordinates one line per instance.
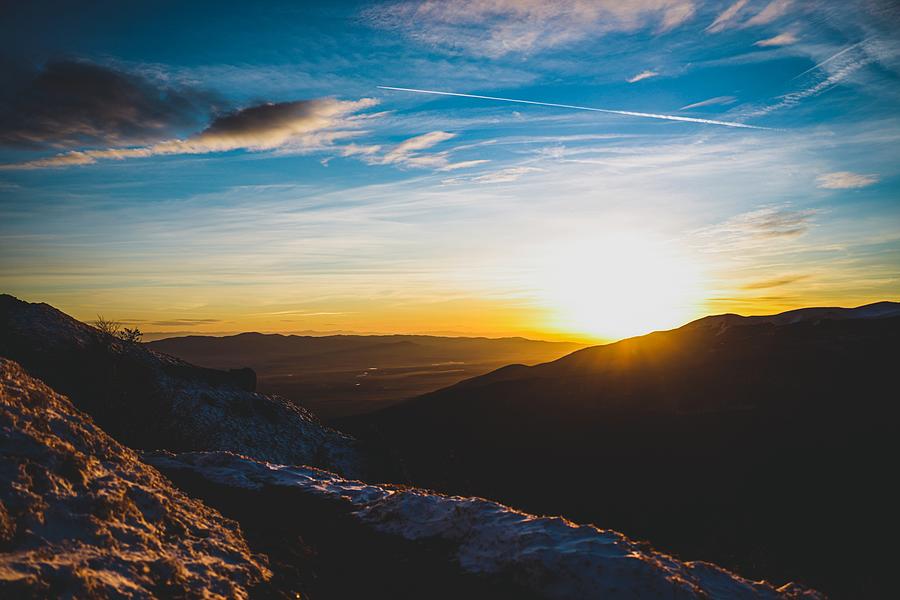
(629, 113)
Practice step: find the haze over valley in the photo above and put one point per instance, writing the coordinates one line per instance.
(336, 376)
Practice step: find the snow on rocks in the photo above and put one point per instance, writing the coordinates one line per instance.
(549, 556)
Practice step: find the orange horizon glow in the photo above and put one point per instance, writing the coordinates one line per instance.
(589, 290)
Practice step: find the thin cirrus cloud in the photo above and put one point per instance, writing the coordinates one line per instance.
(782, 39)
(765, 284)
(759, 227)
(302, 124)
(642, 76)
(718, 100)
(727, 16)
(845, 180)
(736, 15)
(496, 28)
(839, 67)
(772, 11)
(409, 153)
(506, 175)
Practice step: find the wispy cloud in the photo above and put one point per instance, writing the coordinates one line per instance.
(303, 124)
(727, 16)
(500, 176)
(735, 16)
(498, 27)
(182, 322)
(711, 102)
(839, 67)
(408, 153)
(405, 149)
(754, 228)
(782, 39)
(642, 75)
(844, 180)
(299, 313)
(772, 11)
(765, 284)
(834, 56)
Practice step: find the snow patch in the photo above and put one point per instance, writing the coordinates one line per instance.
(551, 556)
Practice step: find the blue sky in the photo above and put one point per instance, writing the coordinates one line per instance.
(229, 166)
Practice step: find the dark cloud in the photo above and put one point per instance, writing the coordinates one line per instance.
(261, 118)
(303, 125)
(73, 103)
(272, 125)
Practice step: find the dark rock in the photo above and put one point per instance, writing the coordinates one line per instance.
(244, 378)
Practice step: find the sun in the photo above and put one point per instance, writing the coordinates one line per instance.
(619, 286)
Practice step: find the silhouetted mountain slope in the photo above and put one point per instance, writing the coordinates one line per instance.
(149, 400)
(385, 541)
(340, 375)
(82, 517)
(877, 310)
(760, 443)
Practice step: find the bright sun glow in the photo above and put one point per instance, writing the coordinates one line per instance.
(620, 286)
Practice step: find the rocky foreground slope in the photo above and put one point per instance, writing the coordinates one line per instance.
(82, 517)
(150, 400)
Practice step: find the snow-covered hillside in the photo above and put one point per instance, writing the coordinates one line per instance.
(547, 556)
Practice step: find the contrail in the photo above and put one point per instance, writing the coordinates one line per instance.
(603, 110)
(829, 59)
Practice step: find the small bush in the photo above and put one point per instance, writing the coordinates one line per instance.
(109, 327)
(115, 329)
(131, 334)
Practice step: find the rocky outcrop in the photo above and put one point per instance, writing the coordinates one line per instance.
(501, 549)
(82, 517)
(148, 400)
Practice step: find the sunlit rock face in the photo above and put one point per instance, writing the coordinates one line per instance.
(82, 517)
(148, 400)
(502, 548)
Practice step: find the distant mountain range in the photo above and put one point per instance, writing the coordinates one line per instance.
(765, 443)
(341, 375)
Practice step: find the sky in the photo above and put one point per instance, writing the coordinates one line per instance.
(214, 167)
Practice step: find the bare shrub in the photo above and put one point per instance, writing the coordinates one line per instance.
(114, 328)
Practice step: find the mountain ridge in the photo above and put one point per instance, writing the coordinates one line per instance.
(704, 418)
